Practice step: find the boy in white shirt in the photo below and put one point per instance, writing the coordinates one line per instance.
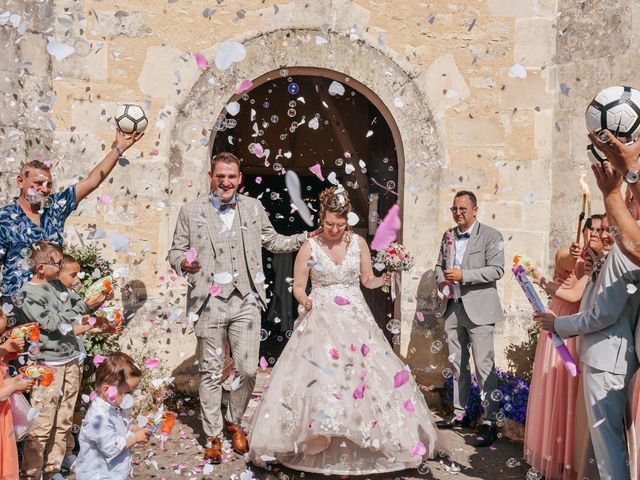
(107, 436)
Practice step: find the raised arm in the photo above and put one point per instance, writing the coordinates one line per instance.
(101, 171)
(367, 278)
(301, 276)
(273, 241)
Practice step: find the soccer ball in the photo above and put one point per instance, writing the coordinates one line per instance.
(595, 154)
(616, 109)
(131, 118)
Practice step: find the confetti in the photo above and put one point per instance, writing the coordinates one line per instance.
(223, 278)
(98, 359)
(229, 52)
(263, 363)
(191, 255)
(387, 231)
(201, 61)
(111, 393)
(341, 300)
(364, 349)
(295, 192)
(631, 288)
(358, 393)
(418, 449)
(400, 378)
(243, 86)
(214, 290)
(408, 406)
(335, 354)
(517, 71)
(336, 88)
(152, 363)
(233, 108)
(59, 50)
(316, 170)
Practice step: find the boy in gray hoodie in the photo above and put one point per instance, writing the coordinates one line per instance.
(60, 313)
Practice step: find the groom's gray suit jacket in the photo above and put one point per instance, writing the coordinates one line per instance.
(607, 327)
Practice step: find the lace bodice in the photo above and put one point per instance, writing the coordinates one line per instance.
(325, 272)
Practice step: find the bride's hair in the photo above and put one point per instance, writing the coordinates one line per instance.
(336, 203)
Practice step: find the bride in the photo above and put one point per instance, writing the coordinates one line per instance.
(339, 401)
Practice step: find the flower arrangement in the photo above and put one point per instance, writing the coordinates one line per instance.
(514, 394)
(393, 258)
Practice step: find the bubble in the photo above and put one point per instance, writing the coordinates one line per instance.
(266, 104)
(75, 428)
(436, 346)
(25, 252)
(264, 334)
(396, 340)
(393, 326)
(289, 333)
(291, 219)
(293, 88)
(279, 338)
(496, 395)
(512, 463)
(272, 360)
(291, 112)
(252, 101)
(500, 416)
(534, 474)
(231, 123)
(484, 403)
(374, 217)
(274, 119)
(261, 132)
(614, 230)
(277, 166)
(284, 72)
(294, 125)
(385, 160)
(423, 469)
(339, 162)
(447, 373)
(245, 97)
(356, 404)
(191, 413)
(283, 136)
(391, 184)
(507, 407)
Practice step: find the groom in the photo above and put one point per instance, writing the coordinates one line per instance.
(472, 311)
(226, 290)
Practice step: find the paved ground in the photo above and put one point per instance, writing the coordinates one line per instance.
(182, 459)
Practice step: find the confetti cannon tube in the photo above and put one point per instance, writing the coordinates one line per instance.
(538, 306)
(449, 258)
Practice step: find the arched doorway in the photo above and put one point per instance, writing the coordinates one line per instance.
(295, 119)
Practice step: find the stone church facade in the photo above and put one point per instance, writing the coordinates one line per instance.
(484, 95)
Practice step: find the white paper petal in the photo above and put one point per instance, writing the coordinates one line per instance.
(228, 53)
(336, 88)
(295, 192)
(223, 278)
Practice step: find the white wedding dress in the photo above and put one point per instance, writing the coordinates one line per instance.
(332, 405)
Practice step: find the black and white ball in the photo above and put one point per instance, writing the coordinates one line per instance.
(595, 155)
(131, 118)
(616, 109)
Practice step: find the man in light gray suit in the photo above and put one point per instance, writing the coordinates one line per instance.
(226, 291)
(607, 353)
(473, 310)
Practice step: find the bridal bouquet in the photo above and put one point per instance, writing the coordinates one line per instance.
(393, 258)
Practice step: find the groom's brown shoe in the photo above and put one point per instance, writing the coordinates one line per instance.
(214, 452)
(238, 439)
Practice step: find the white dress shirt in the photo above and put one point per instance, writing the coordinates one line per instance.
(227, 215)
(103, 437)
(461, 247)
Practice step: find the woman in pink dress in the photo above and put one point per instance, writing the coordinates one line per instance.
(553, 417)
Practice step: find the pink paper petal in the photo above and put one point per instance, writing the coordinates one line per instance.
(387, 231)
(364, 349)
(93, 395)
(191, 255)
(98, 359)
(215, 289)
(112, 392)
(358, 393)
(201, 61)
(335, 354)
(263, 363)
(258, 180)
(243, 86)
(353, 347)
(104, 199)
(92, 321)
(341, 300)
(337, 395)
(317, 171)
(418, 449)
(258, 150)
(400, 378)
(420, 316)
(152, 363)
(408, 406)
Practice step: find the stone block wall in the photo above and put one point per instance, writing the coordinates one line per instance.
(486, 96)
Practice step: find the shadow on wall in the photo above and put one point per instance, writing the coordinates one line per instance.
(427, 350)
(134, 296)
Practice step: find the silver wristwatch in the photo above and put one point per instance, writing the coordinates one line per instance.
(632, 176)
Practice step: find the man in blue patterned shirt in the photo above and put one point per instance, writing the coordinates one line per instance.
(37, 214)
